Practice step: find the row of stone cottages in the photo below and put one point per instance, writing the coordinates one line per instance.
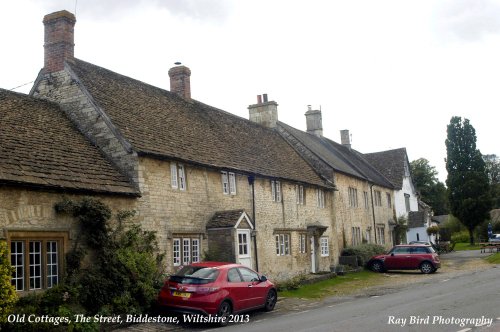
(257, 191)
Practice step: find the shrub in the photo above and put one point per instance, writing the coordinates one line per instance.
(363, 252)
(460, 237)
(290, 284)
(432, 230)
(8, 296)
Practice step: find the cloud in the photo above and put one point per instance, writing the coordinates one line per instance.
(196, 9)
(468, 20)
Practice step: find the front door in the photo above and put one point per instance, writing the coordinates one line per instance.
(243, 247)
(313, 255)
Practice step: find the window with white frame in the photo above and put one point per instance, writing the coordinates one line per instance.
(407, 202)
(302, 243)
(276, 191)
(243, 244)
(365, 196)
(389, 200)
(282, 244)
(356, 236)
(368, 236)
(186, 250)
(177, 176)
(299, 194)
(320, 198)
(380, 234)
(325, 250)
(228, 183)
(353, 197)
(378, 198)
(36, 263)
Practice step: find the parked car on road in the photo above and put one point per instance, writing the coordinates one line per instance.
(407, 257)
(427, 243)
(494, 238)
(215, 288)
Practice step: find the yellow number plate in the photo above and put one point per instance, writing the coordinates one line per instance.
(182, 294)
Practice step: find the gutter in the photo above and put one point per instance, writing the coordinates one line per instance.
(373, 214)
(251, 181)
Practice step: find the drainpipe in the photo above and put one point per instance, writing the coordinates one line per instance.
(251, 181)
(373, 214)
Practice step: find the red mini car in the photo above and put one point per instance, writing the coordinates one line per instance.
(407, 257)
(215, 288)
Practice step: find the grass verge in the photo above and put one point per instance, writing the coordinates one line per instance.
(493, 259)
(466, 246)
(339, 285)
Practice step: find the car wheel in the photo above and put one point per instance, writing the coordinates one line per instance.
(426, 268)
(271, 299)
(377, 266)
(225, 310)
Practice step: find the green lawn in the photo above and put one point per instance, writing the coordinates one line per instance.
(466, 246)
(338, 285)
(494, 259)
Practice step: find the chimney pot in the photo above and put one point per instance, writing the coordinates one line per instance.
(314, 121)
(264, 113)
(345, 138)
(59, 40)
(180, 81)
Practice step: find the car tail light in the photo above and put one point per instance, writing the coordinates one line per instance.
(205, 290)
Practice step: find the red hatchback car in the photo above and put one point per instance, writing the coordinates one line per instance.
(215, 288)
(407, 257)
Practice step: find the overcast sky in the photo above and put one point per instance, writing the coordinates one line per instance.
(392, 72)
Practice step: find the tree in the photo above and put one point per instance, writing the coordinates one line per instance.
(493, 167)
(468, 185)
(432, 191)
(8, 296)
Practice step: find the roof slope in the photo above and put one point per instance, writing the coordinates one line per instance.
(158, 122)
(390, 163)
(224, 219)
(40, 146)
(340, 158)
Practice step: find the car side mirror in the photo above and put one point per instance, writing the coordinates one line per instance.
(392, 254)
(262, 278)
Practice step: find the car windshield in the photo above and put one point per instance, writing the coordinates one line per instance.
(195, 275)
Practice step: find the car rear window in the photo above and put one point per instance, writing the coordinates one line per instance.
(195, 275)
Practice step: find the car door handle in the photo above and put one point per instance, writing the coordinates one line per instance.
(408, 256)
(250, 285)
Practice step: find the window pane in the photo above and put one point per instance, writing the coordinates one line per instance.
(52, 264)
(173, 175)
(17, 262)
(186, 251)
(196, 250)
(182, 177)
(35, 258)
(248, 275)
(232, 183)
(177, 252)
(225, 183)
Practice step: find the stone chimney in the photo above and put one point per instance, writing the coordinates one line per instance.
(264, 112)
(345, 138)
(314, 122)
(59, 40)
(180, 81)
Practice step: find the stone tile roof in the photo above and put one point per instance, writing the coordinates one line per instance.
(390, 163)
(39, 146)
(340, 158)
(224, 219)
(159, 123)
